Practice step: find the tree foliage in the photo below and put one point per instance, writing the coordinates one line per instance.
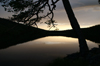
(28, 11)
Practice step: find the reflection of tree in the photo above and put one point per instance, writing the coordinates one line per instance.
(28, 12)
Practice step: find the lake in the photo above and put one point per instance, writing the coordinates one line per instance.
(40, 52)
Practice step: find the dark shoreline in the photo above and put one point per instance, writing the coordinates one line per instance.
(75, 59)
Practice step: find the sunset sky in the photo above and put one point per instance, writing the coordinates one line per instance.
(87, 13)
(43, 50)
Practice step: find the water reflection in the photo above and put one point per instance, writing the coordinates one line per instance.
(40, 51)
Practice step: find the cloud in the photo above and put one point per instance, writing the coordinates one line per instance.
(88, 7)
(77, 4)
(81, 3)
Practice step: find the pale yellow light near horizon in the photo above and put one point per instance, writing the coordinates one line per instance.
(62, 26)
(56, 40)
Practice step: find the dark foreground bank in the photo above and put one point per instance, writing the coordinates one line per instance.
(75, 59)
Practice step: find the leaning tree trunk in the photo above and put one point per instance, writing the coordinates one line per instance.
(74, 23)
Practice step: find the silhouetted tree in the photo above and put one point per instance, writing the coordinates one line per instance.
(99, 1)
(74, 23)
(28, 12)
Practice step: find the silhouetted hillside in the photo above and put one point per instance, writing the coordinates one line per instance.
(90, 33)
(12, 33)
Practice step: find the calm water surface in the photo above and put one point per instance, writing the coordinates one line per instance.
(39, 52)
